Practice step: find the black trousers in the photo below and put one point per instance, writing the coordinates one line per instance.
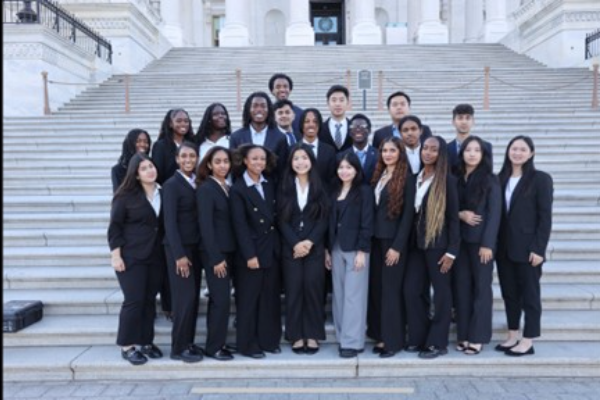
(304, 280)
(473, 295)
(185, 295)
(165, 289)
(219, 304)
(140, 283)
(258, 308)
(423, 330)
(520, 285)
(386, 316)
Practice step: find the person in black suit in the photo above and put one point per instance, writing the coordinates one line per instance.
(258, 288)
(334, 130)
(310, 123)
(524, 234)
(349, 242)
(436, 238)
(303, 212)
(182, 239)
(134, 236)
(360, 128)
(280, 86)
(136, 141)
(284, 116)
(394, 195)
(480, 206)
(463, 119)
(398, 104)
(411, 130)
(259, 129)
(217, 246)
(214, 129)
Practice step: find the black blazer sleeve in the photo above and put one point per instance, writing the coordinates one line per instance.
(544, 193)
(493, 213)
(117, 174)
(118, 213)
(206, 203)
(243, 233)
(452, 220)
(367, 215)
(408, 212)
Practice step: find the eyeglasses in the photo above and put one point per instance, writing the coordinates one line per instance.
(361, 126)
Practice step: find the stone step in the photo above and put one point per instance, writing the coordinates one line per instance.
(555, 296)
(94, 330)
(66, 220)
(84, 363)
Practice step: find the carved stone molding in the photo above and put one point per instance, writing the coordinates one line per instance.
(582, 16)
(22, 51)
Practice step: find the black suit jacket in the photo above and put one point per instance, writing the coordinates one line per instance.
(214, 220)
(326, 164)
(370, 162)
(254, 222)
(163, 157)
(353, 229)
(134, 226)
(297, 114)
(526, 227)
(449, 237)
(386, 132)
(325, 136)
(399, 228)
(117, 174)
(490, 209)
(275, 141)
(453, 155)
(312, 229)
(181, 215)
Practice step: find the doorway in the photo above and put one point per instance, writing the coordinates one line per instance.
(327, 18)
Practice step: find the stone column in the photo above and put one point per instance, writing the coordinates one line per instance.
(235, 32)
(299, 32)
(496, 25)
(431, 30)
(474, 19)
(170, 12)
(365, 29)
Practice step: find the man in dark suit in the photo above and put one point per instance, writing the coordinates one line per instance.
(463, 119)
(324, 153)
(284, 117)
(334, 130)
(259, 128)
(398, 104)
(360, 128)
(280, 86)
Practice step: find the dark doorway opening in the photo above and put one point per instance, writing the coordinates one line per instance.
(327, 18)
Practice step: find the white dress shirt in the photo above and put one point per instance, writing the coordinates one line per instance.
(208, 144)
(422, 189)
(414, 158)
(302, 194)
(258, 137)
(156, 200)
(315, 145)
(513, 181)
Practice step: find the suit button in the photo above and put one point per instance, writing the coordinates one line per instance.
(255, 209)
(262, 221)
(339, 225)
(272, 228)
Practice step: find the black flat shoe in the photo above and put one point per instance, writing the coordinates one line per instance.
(311, 350)
(377, 350)
(230, 348)
(412, 348)
(187, 356)
(257, 355)
(348, 353)
(151, 351)
(512, 353)
(432, 352)
(276, 350)
(135, 357)
(386, 353)
(299, 349)
(221, 355)
(195, 349)
(503, 349)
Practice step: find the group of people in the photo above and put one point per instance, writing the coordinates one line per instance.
(402, 226)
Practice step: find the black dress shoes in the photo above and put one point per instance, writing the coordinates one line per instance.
(311, 350)
(412, 348)
(221, 355)
(503, 349)
(433, 352)
(386, 353)
(276, 350)
(230, 348)
(377, 350)
(348, 353)
(135, 357)
(151, 351)
(195, 349)
(257, 355)
(512, 353)
(189, 355)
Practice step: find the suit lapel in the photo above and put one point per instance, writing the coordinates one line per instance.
(247, 136)
(258, 202)
(345, 203)
(183, 183)
(517, 191)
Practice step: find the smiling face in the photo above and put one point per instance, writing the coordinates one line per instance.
(146, 172)
(219, 118)
(338, 104)
(259, 110)
(281, 89)
(180, 123)
(142, 143)
(310, 127)
(411, 133)
(472, 154)
(220, 165)
(399, 108)
(430, 152)
(256, 161)
(390, 154)
(346, 172)
(519, 153)
(301, 164)
(186, 159)
(284, 117)
(359, 131)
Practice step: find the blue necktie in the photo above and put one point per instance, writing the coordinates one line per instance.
(395, 132)
(362, 155)
(291, 138)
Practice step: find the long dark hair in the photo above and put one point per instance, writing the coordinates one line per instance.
(166, 132)
(480, 178)
(436, 203)
(247, 118)
(239, 155)
(206, 127)
(129, 146)
(131, 183)
(203, 172)
(317, 204)
(528, 168)
(317, 114)
(395, 185)
(351, 158)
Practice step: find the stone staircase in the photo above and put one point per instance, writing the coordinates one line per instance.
(57, 196)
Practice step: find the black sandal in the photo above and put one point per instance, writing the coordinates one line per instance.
(471, 351)
(461, 346)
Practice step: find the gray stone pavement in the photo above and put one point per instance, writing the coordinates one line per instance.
(434, 388)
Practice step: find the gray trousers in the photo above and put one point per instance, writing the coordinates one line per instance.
(350, 293)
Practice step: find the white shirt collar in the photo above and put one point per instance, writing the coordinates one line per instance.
(250, 182)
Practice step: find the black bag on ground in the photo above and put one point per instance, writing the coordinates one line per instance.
(19, 314)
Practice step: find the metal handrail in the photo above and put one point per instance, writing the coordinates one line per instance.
(51, 15)
(592, 44)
